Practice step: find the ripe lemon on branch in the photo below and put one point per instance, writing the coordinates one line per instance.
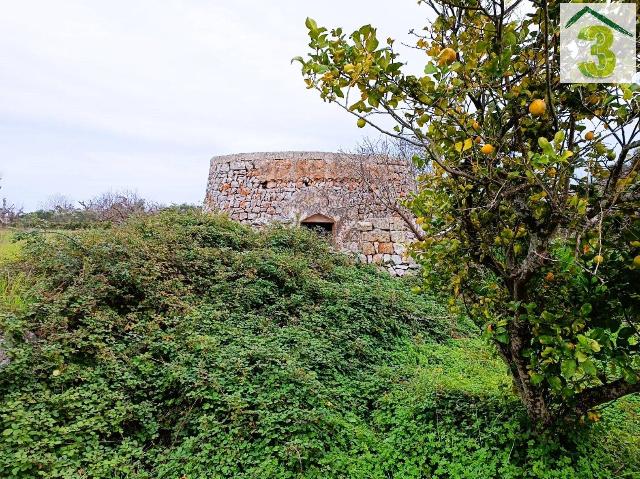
(488, 149)
(538, 107)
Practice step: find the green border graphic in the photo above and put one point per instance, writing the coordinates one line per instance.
(600, 17)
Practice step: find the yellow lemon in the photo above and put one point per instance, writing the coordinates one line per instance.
(487, 149)
(538, 107)
(589, 136)
(361, 122)
(598, 259)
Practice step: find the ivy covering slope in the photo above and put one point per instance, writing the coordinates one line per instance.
(185, 345)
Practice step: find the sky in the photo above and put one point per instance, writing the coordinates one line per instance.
(139, 94)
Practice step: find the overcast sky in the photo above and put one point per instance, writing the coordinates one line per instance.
(139, 94)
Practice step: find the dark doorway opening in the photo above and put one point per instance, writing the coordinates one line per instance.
(321, 224)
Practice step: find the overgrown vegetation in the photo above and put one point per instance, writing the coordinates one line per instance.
(184, 345)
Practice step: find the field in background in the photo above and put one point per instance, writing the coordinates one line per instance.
(13, 285)
(8, 250)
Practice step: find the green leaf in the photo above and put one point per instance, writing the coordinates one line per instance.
(628, 94)
(586, 309)
(630, 376)
(581, 357)
(311, 23)
(589, 368)
(510, 38)
(430, 69)
(555, 382)
(568, 368)
(372, 43)
(536, 378)
(546, 146)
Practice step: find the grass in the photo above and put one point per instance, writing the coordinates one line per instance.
(9, 250)
(13, 285)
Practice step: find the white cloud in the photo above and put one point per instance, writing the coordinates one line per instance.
(97, 95)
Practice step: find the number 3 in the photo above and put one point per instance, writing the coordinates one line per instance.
(603, 36)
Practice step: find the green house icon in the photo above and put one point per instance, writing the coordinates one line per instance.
(610, 23)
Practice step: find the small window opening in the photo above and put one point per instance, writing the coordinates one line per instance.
(321, 224)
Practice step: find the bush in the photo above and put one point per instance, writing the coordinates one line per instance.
(186, 345)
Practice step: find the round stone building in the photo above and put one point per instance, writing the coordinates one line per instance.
(352, 199)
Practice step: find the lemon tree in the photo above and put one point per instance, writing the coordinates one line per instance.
(531, 200)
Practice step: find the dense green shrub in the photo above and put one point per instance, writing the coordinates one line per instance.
(181, 344)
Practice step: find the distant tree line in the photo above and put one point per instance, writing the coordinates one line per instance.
(103, 210)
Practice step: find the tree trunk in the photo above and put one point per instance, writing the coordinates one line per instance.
(533, 398)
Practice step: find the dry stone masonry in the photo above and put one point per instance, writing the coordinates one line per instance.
(344, 196)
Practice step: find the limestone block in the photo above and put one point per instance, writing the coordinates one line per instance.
(398, 236)
(397, 259)
(385, 248)
(376, 236)
(399, 249)
(380, 223)
(397, 224)
(365, 226)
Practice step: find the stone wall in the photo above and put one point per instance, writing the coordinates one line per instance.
(350, 191)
